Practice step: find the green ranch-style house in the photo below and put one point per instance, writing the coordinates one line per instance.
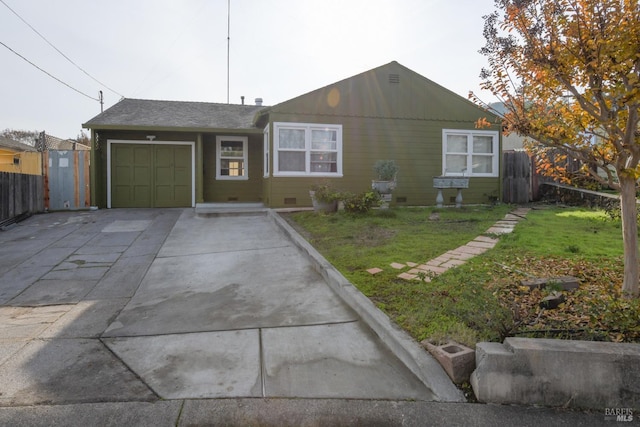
(181, 154)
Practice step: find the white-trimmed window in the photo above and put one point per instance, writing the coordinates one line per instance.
(231, 157)
(265, 166)
(470, 153)
(303, 149)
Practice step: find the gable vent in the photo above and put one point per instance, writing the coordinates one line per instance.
(394, 78)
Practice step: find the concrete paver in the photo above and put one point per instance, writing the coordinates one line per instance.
(223, 291)
(54, 291)
(123, 278)
(198, 365)
(341, 412)
(103, 414)
(67, 371)
(18, 279)
(338, 360)
(477, 246)
(28, 322)
(86, 319)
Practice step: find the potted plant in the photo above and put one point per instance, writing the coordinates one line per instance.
(385, 172)
(324, 197)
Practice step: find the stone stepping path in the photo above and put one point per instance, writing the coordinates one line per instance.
(460, 255)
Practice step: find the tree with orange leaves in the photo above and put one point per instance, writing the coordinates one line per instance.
(568, 73)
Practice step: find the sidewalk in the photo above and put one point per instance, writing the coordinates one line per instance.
(295, 413)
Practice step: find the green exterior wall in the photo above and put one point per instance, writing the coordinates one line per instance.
(387, 113)
(208, 189)
(221, 191)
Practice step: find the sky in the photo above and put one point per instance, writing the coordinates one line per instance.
(177, 50)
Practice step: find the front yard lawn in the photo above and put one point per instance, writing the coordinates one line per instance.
(483, 300)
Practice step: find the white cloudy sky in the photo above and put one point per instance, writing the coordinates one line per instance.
(177, 50)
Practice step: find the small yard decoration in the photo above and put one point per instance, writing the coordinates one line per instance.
(457, 182)
(385, 172)
(324, 197)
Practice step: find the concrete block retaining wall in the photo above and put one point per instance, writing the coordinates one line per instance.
(581, 374)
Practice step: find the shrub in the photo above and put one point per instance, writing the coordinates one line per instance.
(360, 203)
(325, 193)
(385, 170)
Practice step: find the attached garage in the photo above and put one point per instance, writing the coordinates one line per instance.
(158, 174)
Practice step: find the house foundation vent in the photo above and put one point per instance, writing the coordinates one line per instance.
(290, 201)
(401, 200)
(394, 78)
(232, 199)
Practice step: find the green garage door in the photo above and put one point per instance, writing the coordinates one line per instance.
(150, 176)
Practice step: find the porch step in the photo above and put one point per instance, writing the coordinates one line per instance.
(222, 209)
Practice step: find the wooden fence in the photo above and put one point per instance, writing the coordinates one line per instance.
(517, 175)
(20, 195)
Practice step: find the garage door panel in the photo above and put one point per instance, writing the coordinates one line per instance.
(141, 175)
(123, 175)
(122, 195)
(163, 176)
(151, 175)
(183, 156)
(182, 176)
(164, 194)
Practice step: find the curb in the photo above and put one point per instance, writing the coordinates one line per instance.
(405, 348)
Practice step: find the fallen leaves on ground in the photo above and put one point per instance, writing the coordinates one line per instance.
(594, 311)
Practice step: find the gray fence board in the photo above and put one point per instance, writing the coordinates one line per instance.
(516, 184)
(20, 194)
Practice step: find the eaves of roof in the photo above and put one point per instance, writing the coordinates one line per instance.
(17, 146)
(155, 115)
(97, 127)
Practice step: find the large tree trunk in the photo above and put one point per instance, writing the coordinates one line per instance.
(629, 235)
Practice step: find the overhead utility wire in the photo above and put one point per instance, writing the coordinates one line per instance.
(60, 52)
(228, 42)
(49, 74)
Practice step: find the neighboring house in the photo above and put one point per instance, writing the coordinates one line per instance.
(55, 143)
(513, 141)
(166, 153)
(17, 157)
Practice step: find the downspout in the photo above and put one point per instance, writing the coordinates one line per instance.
(199, 170)
(93, 163)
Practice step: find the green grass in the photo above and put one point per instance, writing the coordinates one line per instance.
(381, 237)
(355, 243)
(482, 300)
(568, 232)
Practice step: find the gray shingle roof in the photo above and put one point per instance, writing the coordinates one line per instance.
(144, 113)
(15, 145)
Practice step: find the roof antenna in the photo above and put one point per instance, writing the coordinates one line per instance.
(228, 42)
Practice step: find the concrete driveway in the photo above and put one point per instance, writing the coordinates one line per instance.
(141, 305)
